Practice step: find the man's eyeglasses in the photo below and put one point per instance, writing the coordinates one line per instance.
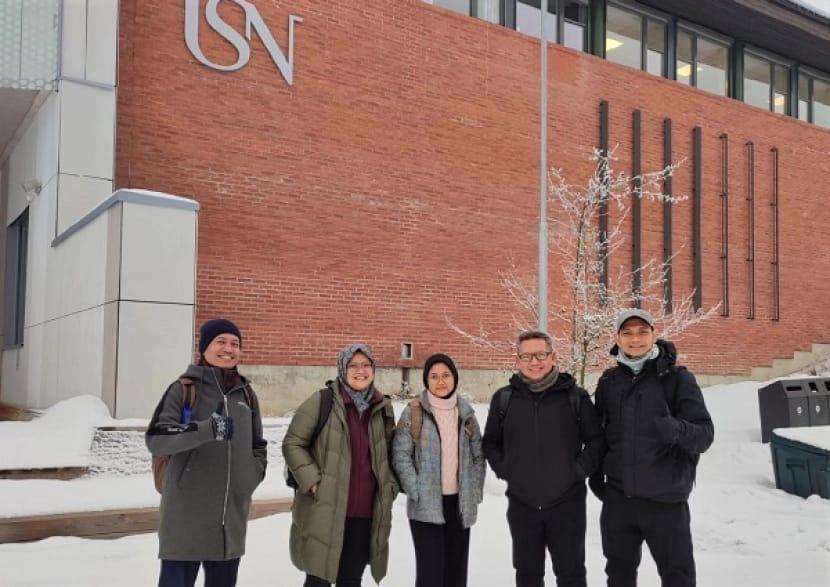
(539, 356)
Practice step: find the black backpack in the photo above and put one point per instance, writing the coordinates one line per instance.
(326, 402)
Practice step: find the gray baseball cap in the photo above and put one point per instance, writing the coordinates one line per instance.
(626, 315)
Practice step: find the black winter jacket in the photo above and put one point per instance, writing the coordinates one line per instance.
(656, 425)
(538, 449)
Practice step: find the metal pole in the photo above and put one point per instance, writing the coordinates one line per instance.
(543, 171)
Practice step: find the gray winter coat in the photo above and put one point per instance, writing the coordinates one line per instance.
(419, 467)
(209, 483)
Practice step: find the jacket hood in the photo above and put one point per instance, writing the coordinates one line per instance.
(563, 382)
(666, 359)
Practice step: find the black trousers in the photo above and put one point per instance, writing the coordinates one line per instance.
(183, 573)
(626, 522)
(441, 550)
(559, 529)
(357, 537)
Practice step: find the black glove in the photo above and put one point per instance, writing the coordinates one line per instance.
(597, 484)
(667, 430)
(222, 426)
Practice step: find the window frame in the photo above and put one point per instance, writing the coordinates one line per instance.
(509, 10)
(696, 31)
(14, 300)
(811, 75)
(646, 14)
(774, 61)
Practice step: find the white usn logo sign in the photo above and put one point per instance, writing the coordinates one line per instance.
(240, 43)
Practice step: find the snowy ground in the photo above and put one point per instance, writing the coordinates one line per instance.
(746, 532)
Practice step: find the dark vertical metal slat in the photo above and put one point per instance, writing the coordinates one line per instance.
(668, 293)
(750, 228)
(776, 300)
(603, 207)
(636, 211)
(724, 199)
(697, 248)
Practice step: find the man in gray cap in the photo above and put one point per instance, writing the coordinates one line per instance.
(656, 426)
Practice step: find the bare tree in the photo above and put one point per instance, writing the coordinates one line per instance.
(583, 321)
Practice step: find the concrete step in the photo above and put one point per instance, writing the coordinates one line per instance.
(107, 523)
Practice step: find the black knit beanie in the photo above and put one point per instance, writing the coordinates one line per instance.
(213, 328)
(440, 358)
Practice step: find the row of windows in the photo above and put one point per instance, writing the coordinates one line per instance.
(651, 41)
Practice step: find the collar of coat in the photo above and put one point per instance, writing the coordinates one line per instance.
(465, 410)
(664, 361)
(564, 382)
(334, 385)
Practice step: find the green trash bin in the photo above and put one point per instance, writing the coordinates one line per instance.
(801, 460)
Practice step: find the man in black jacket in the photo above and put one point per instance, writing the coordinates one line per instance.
(656, 425)
(543, 437)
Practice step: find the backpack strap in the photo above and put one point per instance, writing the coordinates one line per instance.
(416, 414)
(189, 395)
(326, 403)
(504, 402)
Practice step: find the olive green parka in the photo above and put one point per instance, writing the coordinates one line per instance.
(318, 520)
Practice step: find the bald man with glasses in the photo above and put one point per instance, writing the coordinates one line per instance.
(544, 437)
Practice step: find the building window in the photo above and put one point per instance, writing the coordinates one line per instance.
(766, 83)
(566, 21)
(702, 62)
(636, 40)
(529, 21)
(575, 25)
(17, 239)
(489, 10)
(814, 99)
(462, 6)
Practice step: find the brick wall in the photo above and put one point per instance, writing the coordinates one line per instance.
(391, 183)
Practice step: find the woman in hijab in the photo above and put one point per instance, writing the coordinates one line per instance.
(438, 458)
(337, 449)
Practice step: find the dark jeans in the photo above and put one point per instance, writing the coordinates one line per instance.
(626, 522)
(560, 529)
(183, 573)
(357, 537)
(441, 550)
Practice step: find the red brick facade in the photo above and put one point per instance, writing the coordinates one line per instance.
(396, 177)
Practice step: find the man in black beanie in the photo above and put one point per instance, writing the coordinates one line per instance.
(208, 425)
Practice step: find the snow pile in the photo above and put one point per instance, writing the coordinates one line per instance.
(61, 437)
(817, 436)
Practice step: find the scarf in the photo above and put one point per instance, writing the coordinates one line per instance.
(544, 383)
(637, 365)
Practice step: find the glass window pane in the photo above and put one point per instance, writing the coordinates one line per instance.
(781, 95)
(684, 58)
(756, 81)
(803, 97)
(528, 19)
(487, 10)
(712, 66)
(462, 6)
(576, 21)
(623, 37)
(656, 47)
(821, 103)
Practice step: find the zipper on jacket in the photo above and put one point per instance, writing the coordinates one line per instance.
(228, 478)
(536, 439)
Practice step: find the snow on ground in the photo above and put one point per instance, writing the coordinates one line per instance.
(60, 437)
(746, 532)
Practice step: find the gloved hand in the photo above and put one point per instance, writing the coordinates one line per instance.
(597, 484)
(222, 425)
(667, 430)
